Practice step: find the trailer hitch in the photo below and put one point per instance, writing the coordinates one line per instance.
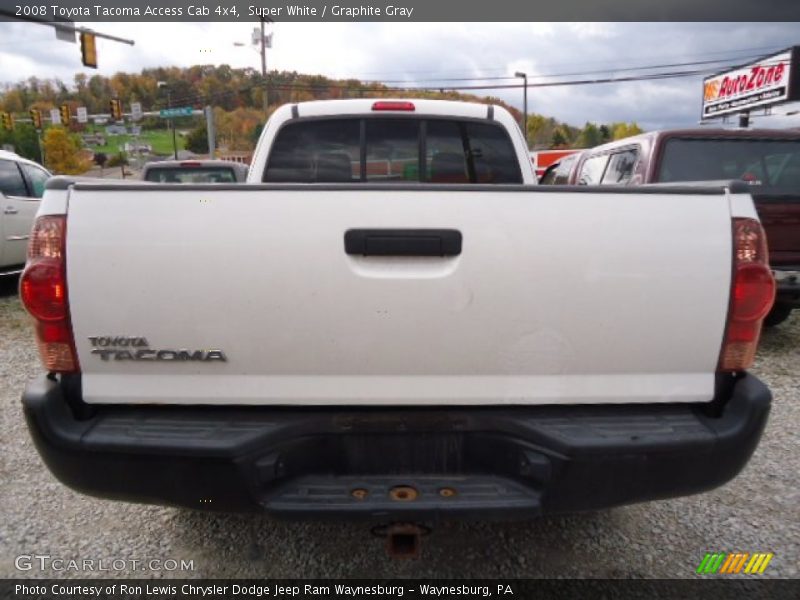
(403, 540)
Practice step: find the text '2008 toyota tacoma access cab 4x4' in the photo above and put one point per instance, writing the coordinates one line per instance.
(390, 321)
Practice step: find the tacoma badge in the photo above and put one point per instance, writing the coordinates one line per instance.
(123, 347)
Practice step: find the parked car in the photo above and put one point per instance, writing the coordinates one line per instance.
(194, 171)
(767, 160)
(560, 172)
(21, 186)
(543, 160)
(385, 339)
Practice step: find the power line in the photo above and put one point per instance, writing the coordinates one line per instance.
(755, 52)
(196, 98)
(581, 73)
(572, 74)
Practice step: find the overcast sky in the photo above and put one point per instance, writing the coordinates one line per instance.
(427, 52)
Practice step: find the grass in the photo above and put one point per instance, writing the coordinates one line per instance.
(160, 140)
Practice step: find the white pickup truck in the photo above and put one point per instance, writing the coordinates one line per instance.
(391, 321)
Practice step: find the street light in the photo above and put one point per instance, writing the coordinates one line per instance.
(525, 103)
(164, 84)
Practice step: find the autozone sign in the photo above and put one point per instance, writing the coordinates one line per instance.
(768, 81)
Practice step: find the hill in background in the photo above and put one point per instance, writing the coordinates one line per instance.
(237, 96)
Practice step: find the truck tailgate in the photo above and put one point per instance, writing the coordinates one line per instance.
(557, 297)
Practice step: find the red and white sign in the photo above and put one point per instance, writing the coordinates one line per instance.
(763, 83)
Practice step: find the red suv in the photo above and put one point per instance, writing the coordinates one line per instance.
(767, 159)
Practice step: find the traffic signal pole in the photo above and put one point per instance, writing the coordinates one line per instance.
(210, 131)
(172, 125)
(41, 146)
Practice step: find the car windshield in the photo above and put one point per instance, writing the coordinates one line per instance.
(763, 162)
(190, 175)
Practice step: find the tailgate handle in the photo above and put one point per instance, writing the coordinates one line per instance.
(403, 242)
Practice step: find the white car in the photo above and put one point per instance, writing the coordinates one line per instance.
(21, 186)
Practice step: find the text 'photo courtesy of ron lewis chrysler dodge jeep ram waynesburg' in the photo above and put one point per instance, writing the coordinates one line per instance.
(391, 321)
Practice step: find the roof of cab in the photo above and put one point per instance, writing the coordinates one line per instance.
(360, 106)
(192, 162)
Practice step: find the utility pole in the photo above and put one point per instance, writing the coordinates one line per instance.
(265, 91)
(260, 42)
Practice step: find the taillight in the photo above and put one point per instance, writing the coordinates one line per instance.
(393, 105)
(752, 295)
(43, 289)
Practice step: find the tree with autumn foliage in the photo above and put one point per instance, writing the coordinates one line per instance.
(237, 96)
(62, 153)
(234, 128)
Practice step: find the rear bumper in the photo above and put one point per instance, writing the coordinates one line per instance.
(500, 462)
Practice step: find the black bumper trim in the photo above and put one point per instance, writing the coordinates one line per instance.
(500, 462)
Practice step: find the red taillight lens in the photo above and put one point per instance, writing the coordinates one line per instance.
(393, 105)
(43, 289)
(752, 295)
(753, 292)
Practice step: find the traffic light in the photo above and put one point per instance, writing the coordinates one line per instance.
(88, 50)
(116, 109)
(7, 120)
(65, 114)
(36, 118)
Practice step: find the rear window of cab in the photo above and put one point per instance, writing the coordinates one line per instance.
(392, 150)
(190, 175)
(609, 168)
(773, 163)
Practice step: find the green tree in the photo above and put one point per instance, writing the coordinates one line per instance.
(589, 137)
(197, 140)
(621, 131)
(559, 140)
(24, 139)
(256, 133)
(540, 130)
(119, 159)
(605, 134)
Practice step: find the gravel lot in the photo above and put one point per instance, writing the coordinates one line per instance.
(758, 512)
